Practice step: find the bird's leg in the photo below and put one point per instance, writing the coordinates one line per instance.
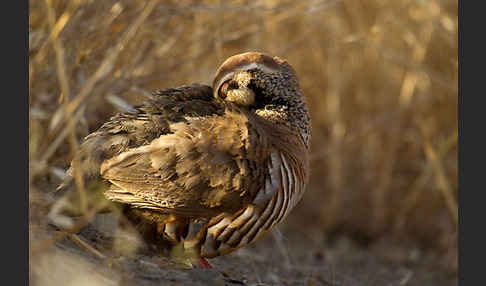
(192, 244)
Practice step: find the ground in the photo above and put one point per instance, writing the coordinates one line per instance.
(293, 255)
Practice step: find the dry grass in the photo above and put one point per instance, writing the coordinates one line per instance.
(380, 76)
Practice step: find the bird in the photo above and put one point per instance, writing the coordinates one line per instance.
(208, 168)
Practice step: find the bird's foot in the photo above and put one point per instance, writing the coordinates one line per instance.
(204, 263)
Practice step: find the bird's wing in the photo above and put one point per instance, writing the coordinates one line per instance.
(205, 166)
(185, 153)
(139, 127)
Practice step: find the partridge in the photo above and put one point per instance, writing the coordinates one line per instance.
(208, 168)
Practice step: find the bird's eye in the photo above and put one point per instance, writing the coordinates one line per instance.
(225, 87)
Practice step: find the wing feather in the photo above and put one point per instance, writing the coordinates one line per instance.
(200, 168)
(184, 152)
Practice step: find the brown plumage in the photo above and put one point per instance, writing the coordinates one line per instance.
(211, 168)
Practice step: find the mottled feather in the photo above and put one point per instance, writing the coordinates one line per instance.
(212, 167)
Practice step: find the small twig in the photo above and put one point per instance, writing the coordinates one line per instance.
(60, 235)
(406, 278)
(441, 180)
(107, 65)
(86, 246)
(418, 185)
(103, 70)
(85, 220)
(120, 104)
(57, 28)
(60, 138)
(58, 46)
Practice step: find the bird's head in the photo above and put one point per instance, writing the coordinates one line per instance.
(254, 79)
(266, 85)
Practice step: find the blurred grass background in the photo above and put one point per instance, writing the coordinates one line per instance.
(381, 78)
